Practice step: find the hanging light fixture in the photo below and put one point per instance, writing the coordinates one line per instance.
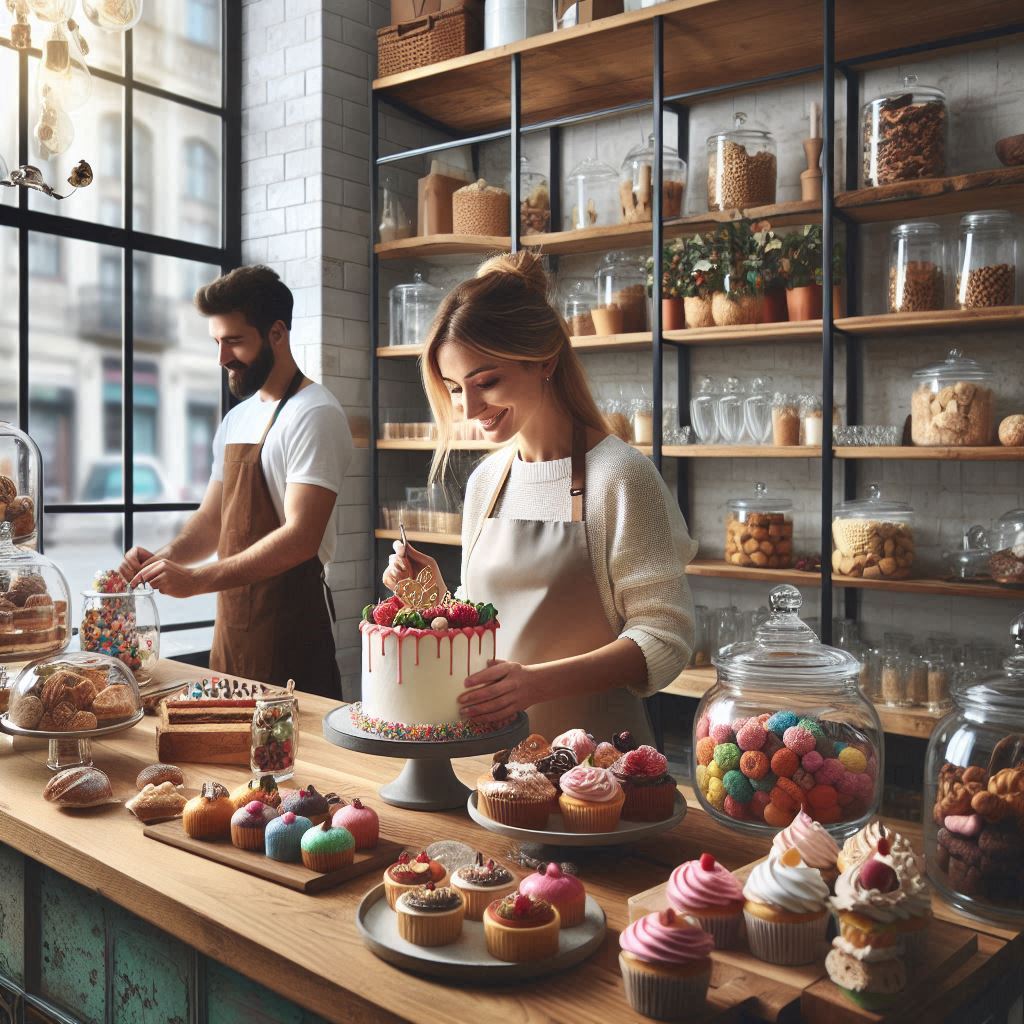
(21, 30)
(113, 15)
(63, 73)
(52, 10)
(54, 131)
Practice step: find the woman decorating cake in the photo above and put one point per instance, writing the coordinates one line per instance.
(571, 532)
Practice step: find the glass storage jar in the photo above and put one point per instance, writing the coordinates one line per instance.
(785, 419)
(952, 403)
(1006, 562)
(987, 260)
(636, 183)
(904, 134)
(811, 431)
(702, 411)
(394, 222)
(757, 411)
(785, 725)
(917, 266)
(534, 200)
(413, 307)
(590, 196)
(741, 166)
(579, 301)
(508, 21)
(759, 530)
(274, 737)
(121, 623)
(21, 485)
(729, 412)
(974, 794)
(873, 538)
(34, 602)
(621, 295)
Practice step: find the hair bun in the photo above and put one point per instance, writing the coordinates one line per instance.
(525, 266)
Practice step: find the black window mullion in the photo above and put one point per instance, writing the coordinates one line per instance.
(128, 300)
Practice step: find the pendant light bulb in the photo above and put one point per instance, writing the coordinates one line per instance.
(63, 78)
(54, 131)
(113, 15)
(52, 10)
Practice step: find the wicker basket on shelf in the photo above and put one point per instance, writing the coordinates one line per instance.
(428, 40)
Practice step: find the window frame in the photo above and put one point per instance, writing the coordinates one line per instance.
(128, 240)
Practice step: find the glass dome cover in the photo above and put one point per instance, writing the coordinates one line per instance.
(1009, 529)
(590, 196)
(955, 367)
(21, 481)
(913, 88)
(874, 506)
(760, 502)
(742, 131)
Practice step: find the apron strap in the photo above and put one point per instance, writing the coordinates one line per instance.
(292, 388)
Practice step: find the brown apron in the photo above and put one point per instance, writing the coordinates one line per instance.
(540, 578)
(280, 628)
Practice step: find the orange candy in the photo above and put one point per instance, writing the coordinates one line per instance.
(777, 816)
(705, 750)
(822, 797)
(828, 815)
(785, 762)
(754, 764)
(788, 795)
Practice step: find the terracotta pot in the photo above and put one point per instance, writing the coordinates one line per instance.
(727, 312)
(697, 311)
(804, 303)
(772, 308)
(673, 315)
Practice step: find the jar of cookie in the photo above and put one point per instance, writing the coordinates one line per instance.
(759, 530)
(1006, 561)
(952, 403)
(742, 166)
(21, 485)
(974, 794)
(904, 134)
(873, 538)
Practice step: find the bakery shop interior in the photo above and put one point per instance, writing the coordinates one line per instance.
(511, 507)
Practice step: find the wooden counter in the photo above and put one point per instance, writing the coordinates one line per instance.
(307, 947)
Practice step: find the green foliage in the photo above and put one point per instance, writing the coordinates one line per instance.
(411, 618)
(801, 258)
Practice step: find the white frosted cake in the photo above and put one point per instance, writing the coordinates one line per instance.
(415, 663)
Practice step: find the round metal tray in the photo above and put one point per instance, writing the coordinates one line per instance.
(79, 734)
(467, 959)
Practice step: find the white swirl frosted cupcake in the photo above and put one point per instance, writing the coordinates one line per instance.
(591, 799)
(811, 840)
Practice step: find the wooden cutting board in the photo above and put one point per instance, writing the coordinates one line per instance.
(293, 876)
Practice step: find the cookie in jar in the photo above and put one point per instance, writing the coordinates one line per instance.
(873, 538)
(952, 403)
(759, 531)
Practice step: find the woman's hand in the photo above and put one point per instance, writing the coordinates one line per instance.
(494, 694)
(405, 563)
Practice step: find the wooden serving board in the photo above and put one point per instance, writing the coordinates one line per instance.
(293, 876)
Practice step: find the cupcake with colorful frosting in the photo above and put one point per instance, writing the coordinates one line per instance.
(308, 803)
(650, 790)
(563, 891)
(282, 838)
(711, 894)
(482, 883)
(591, 800)
(326, 848)
(811, 840)
(665, 961)
(579, 741)
(786, 910)
(410, 873)
(249, 823)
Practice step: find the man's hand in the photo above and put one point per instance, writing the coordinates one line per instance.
(170, 578)
(134, 560)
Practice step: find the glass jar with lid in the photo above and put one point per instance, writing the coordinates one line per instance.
(34, 602)
(817, 714)
(987, 260)
(534, 200)
(122, 623)
(742, 166)
(904, 134)
(394, 222)
(621, 307)
(580, 299)
(590, 196)
(873, 538)
(952, 403)
(974, 793)
(702, 411)
(636, 183)
(757, 411)
(413, 307)
(21, 485)
(274, 736)
(729, 412)
(917, 267)
(785, 419)
(1006, 561)
(759, 530)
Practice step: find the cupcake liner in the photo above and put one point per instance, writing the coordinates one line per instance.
(580, 816)
(662, 996)
(915, 942)
(324, 862)
(519, 945)
(574, 913)
(649, 803)
(434, 929)
(531, 814)
(723, 928)
(247, 838)
(786, 943)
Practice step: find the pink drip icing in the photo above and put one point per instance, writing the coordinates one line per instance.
(451, 655)
(418, 638)
(437, 637)
(469, 652)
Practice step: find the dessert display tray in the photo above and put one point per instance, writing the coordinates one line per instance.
(79, 734)
(252, 862)
(467, 959)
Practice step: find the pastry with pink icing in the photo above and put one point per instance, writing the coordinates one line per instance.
(579, 741)
(665, 961)
(811, 840)
(650, 790)
(710, 893)
(361, 821)
(591, 800)
(564, 892)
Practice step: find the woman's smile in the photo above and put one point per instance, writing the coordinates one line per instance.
(493, 421)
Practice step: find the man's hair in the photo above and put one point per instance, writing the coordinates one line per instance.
(256, 292)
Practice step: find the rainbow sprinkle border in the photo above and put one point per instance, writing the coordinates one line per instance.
(415, 733)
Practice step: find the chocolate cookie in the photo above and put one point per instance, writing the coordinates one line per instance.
(1001, 844)
(959, 848)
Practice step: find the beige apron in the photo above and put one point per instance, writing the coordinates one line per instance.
(540, 578)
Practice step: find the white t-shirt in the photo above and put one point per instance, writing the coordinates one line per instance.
(309, 444)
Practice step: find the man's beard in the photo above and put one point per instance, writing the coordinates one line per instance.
(245, 381)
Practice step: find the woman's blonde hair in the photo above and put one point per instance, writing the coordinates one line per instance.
(504, 313)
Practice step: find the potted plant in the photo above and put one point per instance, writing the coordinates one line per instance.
(706, 277)
(756, 285)
(672, 285)
(802, 268)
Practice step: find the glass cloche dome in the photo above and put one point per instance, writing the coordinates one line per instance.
(21, 482)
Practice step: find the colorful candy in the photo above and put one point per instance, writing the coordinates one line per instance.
(738, 786)
(727, 756)
(754, 764)
(853, 760)
(752, 736)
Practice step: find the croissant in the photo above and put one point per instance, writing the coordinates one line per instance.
(1007, 781)
(991, 807)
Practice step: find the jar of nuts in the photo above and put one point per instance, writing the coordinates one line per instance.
(873, 538)
(987, 264)
(1006, 563)
(636, 178)
(759, 531)
(904, 134)
(621, 295)
(579, 301)
(916, 268)
(741, 167)
(952, 403)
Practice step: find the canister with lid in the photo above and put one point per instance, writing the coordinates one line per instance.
(742, 166)
(590, 196)
(759, 530)
(636, 183)
(1006, 562)
(412, 307)
(987, 260)
(873, 538)
(579, 301)
(621, 295)
(952, 403)
(917, 264)
(904, 134)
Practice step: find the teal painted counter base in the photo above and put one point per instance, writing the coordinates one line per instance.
(71, 956)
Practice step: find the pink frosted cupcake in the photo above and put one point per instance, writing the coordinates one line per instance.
(564, 892)
(710, 893)
(591, 800)
(579, 741)
(811, 840)
(666, 965)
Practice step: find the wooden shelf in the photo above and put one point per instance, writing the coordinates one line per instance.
(583, 343)
(723, 41)
(748, 334)
(740, 451)
(919, 722)
(724, 570)
(422, 247)
(989, 453)
(418, 537)
(994, 318)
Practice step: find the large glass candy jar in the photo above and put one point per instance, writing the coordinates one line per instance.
(786, 727)
(21, 482)
(974, 794)
(121, 623)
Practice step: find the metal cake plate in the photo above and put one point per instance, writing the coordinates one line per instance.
(69, 749)
(467, 959)
(427, 782)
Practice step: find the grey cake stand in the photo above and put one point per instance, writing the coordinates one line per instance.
(427, 782)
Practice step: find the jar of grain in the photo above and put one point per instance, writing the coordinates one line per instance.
(1006, 563)
(534, 200)
(590, 196)
(785, 419)
(952, 403)
(579, 301)
(917, 260)
(904, 134)
(987, 263)
(873, 538)
(636, 188)
(621, 295)
(894, 680)
(741, 167)
(759, 530)
(480, 209)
